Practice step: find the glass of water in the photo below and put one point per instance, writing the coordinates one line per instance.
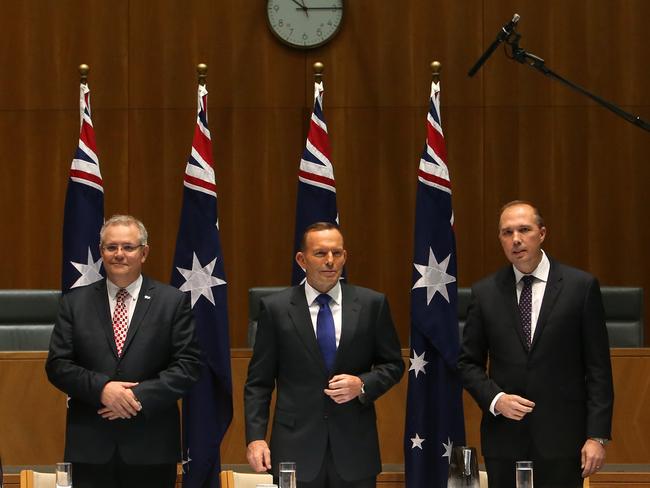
(287, 475)
(63, 475)
(524, 474)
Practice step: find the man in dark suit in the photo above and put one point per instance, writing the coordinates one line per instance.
(123, 350)
(331, 350)
(548, 395)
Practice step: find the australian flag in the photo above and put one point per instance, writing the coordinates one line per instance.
(316, 201)
(199, 271)
(84, 207)
(434, 408)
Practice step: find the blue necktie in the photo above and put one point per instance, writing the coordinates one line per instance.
(526, 307)
(325, 333)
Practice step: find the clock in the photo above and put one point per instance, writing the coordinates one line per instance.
(304, 24)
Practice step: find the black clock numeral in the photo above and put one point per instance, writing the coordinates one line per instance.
(319, 32)
(276, 7)
(281, 23)
(304, 37)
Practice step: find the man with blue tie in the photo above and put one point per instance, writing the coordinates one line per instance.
(547, 395)
(330, 350)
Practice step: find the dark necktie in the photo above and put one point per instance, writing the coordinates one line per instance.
(325, 333)
(526, 307)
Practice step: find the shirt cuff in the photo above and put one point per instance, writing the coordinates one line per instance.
(494, 402)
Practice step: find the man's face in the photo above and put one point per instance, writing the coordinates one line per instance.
(122, 254)
(521, 237)
(323, 258)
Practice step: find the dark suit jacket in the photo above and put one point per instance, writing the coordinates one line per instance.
(160, 352)
(567, 372)
(287, 356)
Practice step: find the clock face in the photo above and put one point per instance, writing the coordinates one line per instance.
(304, 23)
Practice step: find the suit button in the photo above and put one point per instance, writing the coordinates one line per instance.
(325, 417)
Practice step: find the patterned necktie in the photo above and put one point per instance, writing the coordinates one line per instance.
(325, 332)
(526, 307)
(120, 319)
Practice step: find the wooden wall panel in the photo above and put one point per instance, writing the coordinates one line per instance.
(511, 132)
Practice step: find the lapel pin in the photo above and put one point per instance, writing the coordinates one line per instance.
(147, 297)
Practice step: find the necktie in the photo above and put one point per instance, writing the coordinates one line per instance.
(120, 319)
(325, 332)
(526, 307)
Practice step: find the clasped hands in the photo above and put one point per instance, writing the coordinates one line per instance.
(119, 401)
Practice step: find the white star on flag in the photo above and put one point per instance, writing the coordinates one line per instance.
(89, 271)
(417, 442)
(199, 280)
(434, 277)
(418, 363)
(186, 462)
(448, 446)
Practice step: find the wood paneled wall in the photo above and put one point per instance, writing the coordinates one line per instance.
(511, 133)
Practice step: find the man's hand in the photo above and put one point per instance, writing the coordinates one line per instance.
(119, 401)
(592, 457)
(343, 388)
(513, 406)
(258, 455)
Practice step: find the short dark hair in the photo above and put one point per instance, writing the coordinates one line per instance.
(538, 215)
(316, 227)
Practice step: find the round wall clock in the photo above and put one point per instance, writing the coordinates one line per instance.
(304, 24)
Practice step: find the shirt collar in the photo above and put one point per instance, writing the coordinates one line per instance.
(131, 289)
(540, 272)
(311, 293)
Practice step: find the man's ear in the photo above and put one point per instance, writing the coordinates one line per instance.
(300, 259)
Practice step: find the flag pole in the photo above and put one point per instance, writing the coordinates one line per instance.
(84, 69)
(202, 71)
(318, 71)
(436, 68)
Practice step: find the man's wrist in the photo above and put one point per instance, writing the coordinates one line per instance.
(600, 440)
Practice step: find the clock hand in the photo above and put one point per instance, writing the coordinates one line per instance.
(323, 8)
(301, 6)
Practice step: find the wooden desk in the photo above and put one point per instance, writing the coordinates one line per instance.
(32, 412)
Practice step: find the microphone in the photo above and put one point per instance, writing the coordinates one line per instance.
(504, 34)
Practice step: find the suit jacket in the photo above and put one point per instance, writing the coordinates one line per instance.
(567, 372)
(160, 352)
(287, 357)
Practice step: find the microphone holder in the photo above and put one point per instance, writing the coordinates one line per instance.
(523, 57)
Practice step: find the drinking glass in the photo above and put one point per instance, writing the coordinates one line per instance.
(287, 475)
(63, 475)
(524, 474)
(463, 468)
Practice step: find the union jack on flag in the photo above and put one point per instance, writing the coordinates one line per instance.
(83, 215)
(434, 407)
(199, 270)
(316, 200)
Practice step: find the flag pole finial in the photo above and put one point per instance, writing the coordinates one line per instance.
(436, 68)
(318, 71)
(84, 69)
(202, 71)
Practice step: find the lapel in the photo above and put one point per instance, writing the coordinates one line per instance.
(299, 315)
(146, 296)
(552, 291)
(349, 321)
(508, 288)
(100, 302)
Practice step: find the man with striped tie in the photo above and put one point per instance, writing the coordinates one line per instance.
(124, 351)
(547, 395)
